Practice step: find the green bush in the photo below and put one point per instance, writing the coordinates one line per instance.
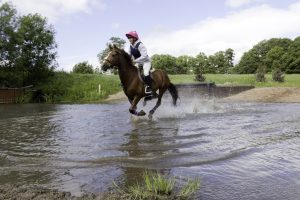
(260, 74)
(277, 75)
(200, 77)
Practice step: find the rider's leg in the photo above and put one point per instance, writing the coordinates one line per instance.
(146, 67)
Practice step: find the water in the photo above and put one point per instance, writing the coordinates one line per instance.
(237, 150)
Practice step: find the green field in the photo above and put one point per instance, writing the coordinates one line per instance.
(291, 80)
(84, 88)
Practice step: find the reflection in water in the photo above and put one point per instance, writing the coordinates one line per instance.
(26, 143)
(145, 145)
(239, 151)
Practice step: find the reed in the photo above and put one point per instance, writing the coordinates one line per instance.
(156, 186)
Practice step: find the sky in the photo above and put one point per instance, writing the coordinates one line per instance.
(175, 27)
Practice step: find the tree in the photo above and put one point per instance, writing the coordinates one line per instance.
(229, 57)
(27, 48)
(201, 63)
(165, 62)
(256, 56)
(292, 57)
(273, 58)
(8, 44)
(249, 62)
(119, 42)
(37, 48)
(221, 62)
(186, 64)
(83, 68)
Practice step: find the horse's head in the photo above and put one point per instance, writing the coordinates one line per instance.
(112, 60)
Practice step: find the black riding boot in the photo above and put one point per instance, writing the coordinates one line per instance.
(148, 88)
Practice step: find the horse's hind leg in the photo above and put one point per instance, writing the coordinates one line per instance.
(161, 92)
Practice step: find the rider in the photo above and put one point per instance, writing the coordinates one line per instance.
(140, 57)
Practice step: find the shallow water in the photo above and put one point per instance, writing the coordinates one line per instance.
(237, 150)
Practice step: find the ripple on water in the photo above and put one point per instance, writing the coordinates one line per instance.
(245, 148)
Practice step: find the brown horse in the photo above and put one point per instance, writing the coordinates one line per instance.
(133, 86)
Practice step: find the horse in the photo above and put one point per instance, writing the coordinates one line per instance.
(133, 86)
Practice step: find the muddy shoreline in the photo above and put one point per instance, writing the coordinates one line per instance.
(25, 192)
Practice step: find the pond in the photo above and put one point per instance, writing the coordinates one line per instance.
(237, 150)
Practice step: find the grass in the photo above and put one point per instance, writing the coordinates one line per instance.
(84, 88)
(156, 186)
(79, 88)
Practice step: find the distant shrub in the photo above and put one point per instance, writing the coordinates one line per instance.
(260, 74)
(199, 76)
(277, 75)
(83, 68)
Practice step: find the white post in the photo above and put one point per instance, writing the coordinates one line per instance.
(99, 89)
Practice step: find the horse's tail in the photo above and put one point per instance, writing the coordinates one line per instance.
(174, 93)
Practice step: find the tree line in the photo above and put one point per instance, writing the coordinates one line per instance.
(275, 53)
(28, 54)
(272, 54)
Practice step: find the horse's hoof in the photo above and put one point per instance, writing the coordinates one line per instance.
(150, 116)
(133, 111)
(151, 112)
(141, 113)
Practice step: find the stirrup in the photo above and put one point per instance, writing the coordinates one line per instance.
(148, 90)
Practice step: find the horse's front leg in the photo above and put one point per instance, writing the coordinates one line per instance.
(133, 107)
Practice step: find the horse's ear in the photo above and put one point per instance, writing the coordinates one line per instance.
(115, 46)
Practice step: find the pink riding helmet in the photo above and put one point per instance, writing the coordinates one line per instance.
(132, 34)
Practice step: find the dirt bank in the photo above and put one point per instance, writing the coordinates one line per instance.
(116, 97)
(268, 94)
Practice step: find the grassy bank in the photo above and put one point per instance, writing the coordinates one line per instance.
(84, 88)
(78, 88)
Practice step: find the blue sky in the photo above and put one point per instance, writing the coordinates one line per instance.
(176, 27)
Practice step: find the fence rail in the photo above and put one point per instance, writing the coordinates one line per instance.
(10, 95)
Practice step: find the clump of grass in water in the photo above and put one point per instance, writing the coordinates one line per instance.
(156, 186)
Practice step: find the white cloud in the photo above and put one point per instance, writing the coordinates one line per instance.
(53, 9)
(237, 3)
(239, 30)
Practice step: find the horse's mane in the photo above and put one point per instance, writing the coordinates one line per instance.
(127, 58)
